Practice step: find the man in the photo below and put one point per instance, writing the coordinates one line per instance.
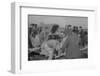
(34, 37)
(71, 46)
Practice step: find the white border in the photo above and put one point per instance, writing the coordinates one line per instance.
(19, 16)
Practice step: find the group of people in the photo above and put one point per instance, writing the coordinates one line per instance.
(53, 43)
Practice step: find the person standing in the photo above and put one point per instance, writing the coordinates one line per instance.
(71, 45)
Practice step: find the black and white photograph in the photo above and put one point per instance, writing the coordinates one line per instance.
(52, 37)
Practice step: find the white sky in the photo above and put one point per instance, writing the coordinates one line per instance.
(61, 20)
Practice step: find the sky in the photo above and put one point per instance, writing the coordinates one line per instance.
(61, 20)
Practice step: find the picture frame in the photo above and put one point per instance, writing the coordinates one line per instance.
(19, 38)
